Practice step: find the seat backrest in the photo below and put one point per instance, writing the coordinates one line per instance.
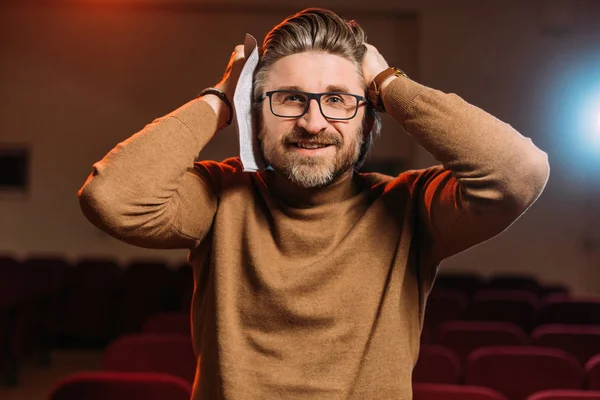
(165, 353)
(467, 283)
(440, 391)
(519, 371)
(582, 341)
(515, 282)
(437, 364)
(462, 337)
(121, 386)
(569, 310)
(170, 322)
(515, 306)
(592, 373)
(13, 282)
(47, 273)
(443, 306)
(562, 394)
(146, 290)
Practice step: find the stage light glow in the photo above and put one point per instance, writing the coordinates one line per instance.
(571, 101)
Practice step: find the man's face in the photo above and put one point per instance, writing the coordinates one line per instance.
(310, 150)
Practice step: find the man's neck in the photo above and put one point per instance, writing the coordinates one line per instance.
(297, 196)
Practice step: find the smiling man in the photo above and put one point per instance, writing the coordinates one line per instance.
(312, 146)
(311, 279)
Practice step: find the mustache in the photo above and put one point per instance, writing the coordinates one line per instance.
(300, 135)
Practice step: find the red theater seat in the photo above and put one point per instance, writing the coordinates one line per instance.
(443, 306)
(569, 310)
(146, 291)
(91, 303)
(464, 282)
(515, 306)
(582, 341)
(121, 386)
(439, 391)
(463, 337)
(519, 371)
(172, 354)
(175, 322)
(592, 372)
(565, 395)
(436, 364)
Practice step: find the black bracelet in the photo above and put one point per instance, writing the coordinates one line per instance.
(220, 94)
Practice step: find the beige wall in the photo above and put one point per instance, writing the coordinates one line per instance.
(74, 81)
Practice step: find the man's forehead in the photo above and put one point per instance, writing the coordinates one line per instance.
(312, 71)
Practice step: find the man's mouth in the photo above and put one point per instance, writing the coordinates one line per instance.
(311, 146)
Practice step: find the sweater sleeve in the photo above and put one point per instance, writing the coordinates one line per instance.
(147, 192)
(490, 173)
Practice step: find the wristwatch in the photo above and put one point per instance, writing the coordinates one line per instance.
(374, 90)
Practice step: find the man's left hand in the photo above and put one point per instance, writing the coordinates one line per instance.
(373, 63)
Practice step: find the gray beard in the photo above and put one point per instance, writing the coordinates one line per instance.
(312, 172)
(307, 175)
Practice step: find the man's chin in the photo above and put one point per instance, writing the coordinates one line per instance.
(307, 174)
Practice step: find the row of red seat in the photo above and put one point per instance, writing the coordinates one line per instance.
(121, 386)
(517, 306)
(508, 372)
(437, 391)
(582, 341)
(514, 371)
(471, 282)
(154, 386)
(168, 358)
(47, 302)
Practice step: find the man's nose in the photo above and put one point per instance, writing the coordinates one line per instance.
(313, 121)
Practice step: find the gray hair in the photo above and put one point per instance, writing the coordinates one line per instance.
(316, 29)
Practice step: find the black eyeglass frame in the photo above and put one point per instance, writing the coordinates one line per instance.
(310, 96)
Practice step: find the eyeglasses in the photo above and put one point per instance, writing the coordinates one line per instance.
(294, 104)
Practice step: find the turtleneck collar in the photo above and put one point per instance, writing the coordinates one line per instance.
(295, 196)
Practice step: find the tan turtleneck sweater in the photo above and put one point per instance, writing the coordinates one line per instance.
(319, 294)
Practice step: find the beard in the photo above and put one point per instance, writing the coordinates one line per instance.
(311, 171)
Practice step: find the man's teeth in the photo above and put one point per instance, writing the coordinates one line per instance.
(311, 145)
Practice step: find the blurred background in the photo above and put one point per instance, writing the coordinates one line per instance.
(78, 77)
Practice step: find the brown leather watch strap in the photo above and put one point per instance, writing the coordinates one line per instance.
(374, 90)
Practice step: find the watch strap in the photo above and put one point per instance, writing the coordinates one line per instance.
(374, 90)
(221, 95)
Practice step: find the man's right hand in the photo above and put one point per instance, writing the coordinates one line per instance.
(227, 84)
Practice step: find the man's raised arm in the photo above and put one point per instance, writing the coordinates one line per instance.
(490, 173)
(146, 191)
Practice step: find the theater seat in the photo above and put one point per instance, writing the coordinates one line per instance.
(519, 371)
(171, 322)
(565, 395)
(439, 391)
(436, 364)
(463, 337)
(165, 353)
(592, 372)
(121, 386)
(582, 341)
(515, 306)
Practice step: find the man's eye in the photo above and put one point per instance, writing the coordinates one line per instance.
(293, 98)
(335, 99)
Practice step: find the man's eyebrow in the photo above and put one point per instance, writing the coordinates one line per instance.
(338, 88)
(330, 88)
(291, 88)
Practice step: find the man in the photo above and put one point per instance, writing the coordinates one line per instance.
(311, 278)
